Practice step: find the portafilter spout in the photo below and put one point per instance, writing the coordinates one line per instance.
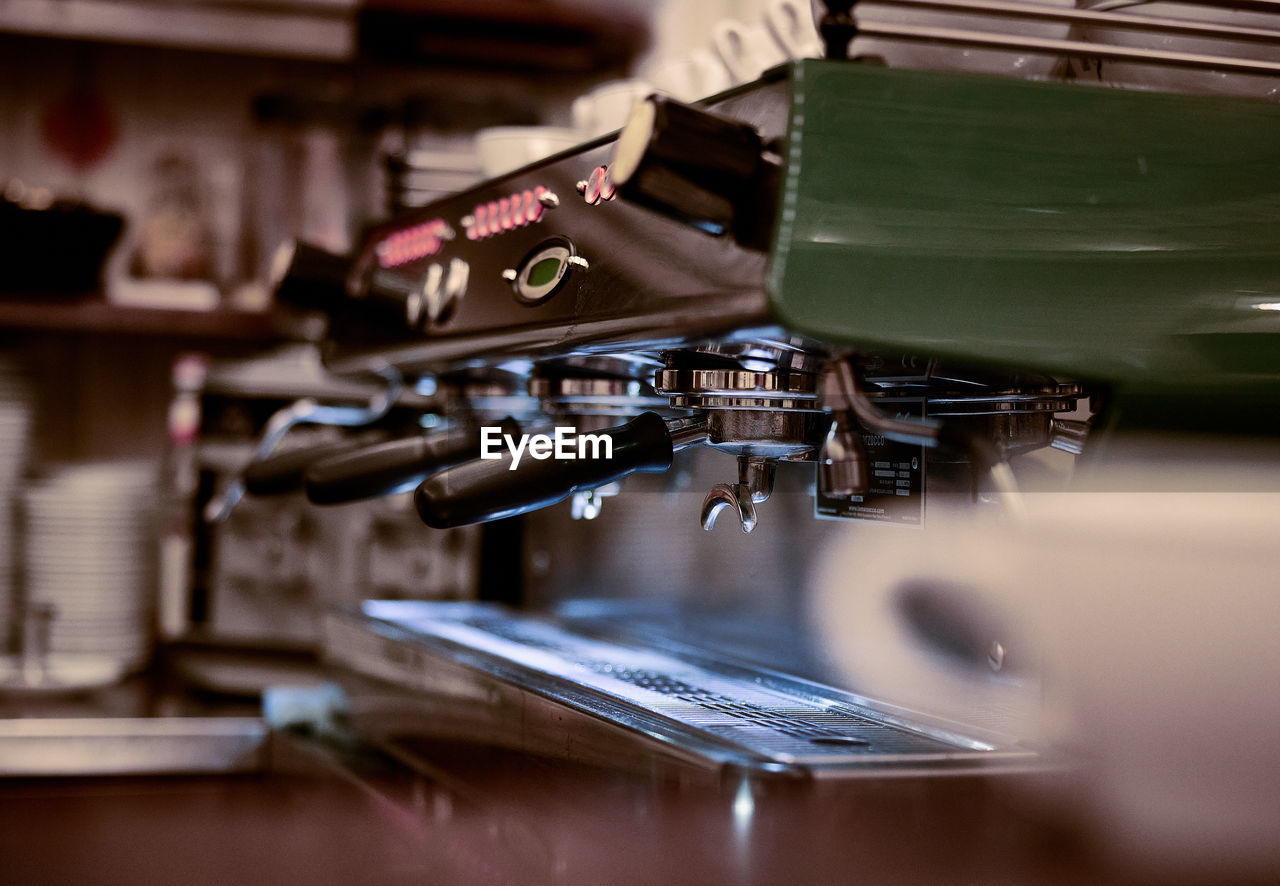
(755, 485)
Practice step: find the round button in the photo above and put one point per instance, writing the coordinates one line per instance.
(544, 271)
(591, 193)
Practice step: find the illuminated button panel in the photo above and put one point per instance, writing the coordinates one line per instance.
(517, 210)
(410, 244)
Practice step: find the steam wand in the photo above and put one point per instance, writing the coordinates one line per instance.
(844, 395)
(307, 411)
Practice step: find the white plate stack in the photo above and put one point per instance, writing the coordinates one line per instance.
(90, 553)
(15, 434)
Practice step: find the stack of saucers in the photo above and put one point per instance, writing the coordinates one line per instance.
(90, 555)
(15, 434)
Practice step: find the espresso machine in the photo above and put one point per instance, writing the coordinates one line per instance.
(829, 299)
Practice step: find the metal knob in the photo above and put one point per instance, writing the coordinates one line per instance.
(700, 168)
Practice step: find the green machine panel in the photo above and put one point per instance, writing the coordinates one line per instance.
(1128, 237)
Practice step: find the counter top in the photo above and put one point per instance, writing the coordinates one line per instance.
(465, 814)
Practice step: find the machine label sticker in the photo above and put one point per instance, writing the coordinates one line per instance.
(564, 444)
(896, 471)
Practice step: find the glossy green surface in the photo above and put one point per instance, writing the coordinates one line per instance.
(1121, 236)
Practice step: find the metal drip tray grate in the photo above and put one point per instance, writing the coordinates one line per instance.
(716, 711)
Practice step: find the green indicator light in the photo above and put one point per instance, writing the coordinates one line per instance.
(544, 272)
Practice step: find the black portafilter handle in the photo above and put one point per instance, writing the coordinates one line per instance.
(282, 473)
(488, 489)
(393, 466)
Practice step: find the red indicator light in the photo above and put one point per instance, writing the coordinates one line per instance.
(506, 213)
(411, 244)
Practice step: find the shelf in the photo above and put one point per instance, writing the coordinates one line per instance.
(92, 314)
(556, 36)
(319, 29)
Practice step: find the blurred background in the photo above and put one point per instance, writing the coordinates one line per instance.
(160, 635)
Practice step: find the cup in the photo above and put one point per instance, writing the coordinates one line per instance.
(746, 50)
(791, 23)
(503, 149)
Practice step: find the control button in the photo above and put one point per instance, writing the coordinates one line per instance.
(544, 271)
(708, 171)
(598, 186)
(413, 309)
(425, 302)
(443, 290)
(591, 193)
(455, 286)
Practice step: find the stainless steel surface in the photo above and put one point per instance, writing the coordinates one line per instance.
(764, 430)
(841, 391)
(1066, 47)
(716, 389)
(132, 745)
(758, 414)
(1051, 398)
(707, 712)
(1068, 435)
(687, 432)
(1107, 18)
(594, 396)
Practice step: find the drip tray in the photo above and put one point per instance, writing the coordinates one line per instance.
(483, 672)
